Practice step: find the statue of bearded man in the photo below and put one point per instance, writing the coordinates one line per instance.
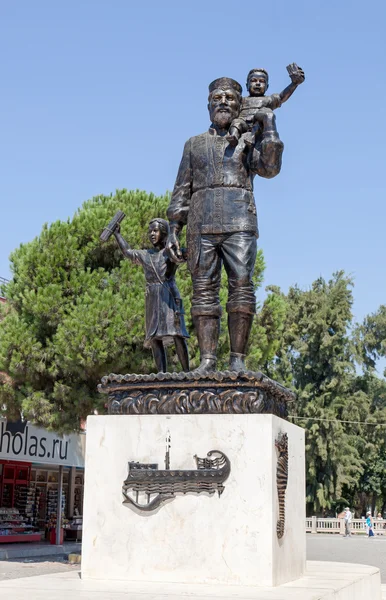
(213, 197)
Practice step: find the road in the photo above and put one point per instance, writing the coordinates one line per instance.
(334, 548)
(360, 549)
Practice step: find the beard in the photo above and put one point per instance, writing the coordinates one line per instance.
(222, 119)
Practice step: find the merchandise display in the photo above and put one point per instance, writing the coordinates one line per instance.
(47, 482)
(13, 476)
(29, 502)
(6, 500)
(78, 499)
(52, 507)
(14, 527)
(73, 529)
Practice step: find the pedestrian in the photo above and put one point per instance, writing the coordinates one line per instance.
(347, 522)
(379, 526)
(369, 525)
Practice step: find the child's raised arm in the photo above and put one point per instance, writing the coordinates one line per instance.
(136, 256)
(124, 246)
(297, 77)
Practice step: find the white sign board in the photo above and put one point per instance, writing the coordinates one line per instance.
(25, 442)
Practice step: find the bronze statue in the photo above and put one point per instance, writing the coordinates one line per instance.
(213, 196)
(164, 309)
(255, 105)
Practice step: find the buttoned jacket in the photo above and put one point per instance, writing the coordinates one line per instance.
(213, 193)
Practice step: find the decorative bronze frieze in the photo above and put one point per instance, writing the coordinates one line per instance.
(186, 393)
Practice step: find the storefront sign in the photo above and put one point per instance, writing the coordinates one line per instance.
(25, 442)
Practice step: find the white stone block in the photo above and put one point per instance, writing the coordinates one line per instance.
(194, 538)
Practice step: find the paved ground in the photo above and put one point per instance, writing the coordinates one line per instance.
(322, 580)
(319, 547)
(360, 550)
(24, 567)
(30, 550)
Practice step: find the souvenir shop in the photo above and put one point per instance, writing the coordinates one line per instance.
(41, 484)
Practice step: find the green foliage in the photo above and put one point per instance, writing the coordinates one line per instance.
(76, 312)
(267, 330)
(370, 490)
(316, 359)
(370, 338)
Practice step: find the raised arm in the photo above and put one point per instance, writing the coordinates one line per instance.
(128, 252)
(297, 77)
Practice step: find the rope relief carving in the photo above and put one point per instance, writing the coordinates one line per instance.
(281, 480)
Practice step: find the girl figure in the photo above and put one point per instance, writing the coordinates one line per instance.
(164, 314)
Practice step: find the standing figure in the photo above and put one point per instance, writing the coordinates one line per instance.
(213, 196)
(347, 522)
(255, 105)
(164, 316)
(369, 525)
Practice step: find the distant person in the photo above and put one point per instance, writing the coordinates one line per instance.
(379, 525)
(369, 525)
(347, 522)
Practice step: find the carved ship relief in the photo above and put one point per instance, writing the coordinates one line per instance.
(147, 480)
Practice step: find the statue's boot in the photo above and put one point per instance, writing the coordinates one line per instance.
(237, 362)
(207, 329)
(239, 325)
(270, 132)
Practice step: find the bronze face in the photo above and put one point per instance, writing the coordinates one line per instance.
(257, 84)
(156, 236)
(224, 106)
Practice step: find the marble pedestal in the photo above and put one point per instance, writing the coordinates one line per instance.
(194, 538)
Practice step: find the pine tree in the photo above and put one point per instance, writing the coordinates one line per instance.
(370, 338)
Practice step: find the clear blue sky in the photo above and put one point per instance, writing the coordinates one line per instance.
(99, 95)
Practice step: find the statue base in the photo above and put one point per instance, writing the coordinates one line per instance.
(219, 392)
(221, 504)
